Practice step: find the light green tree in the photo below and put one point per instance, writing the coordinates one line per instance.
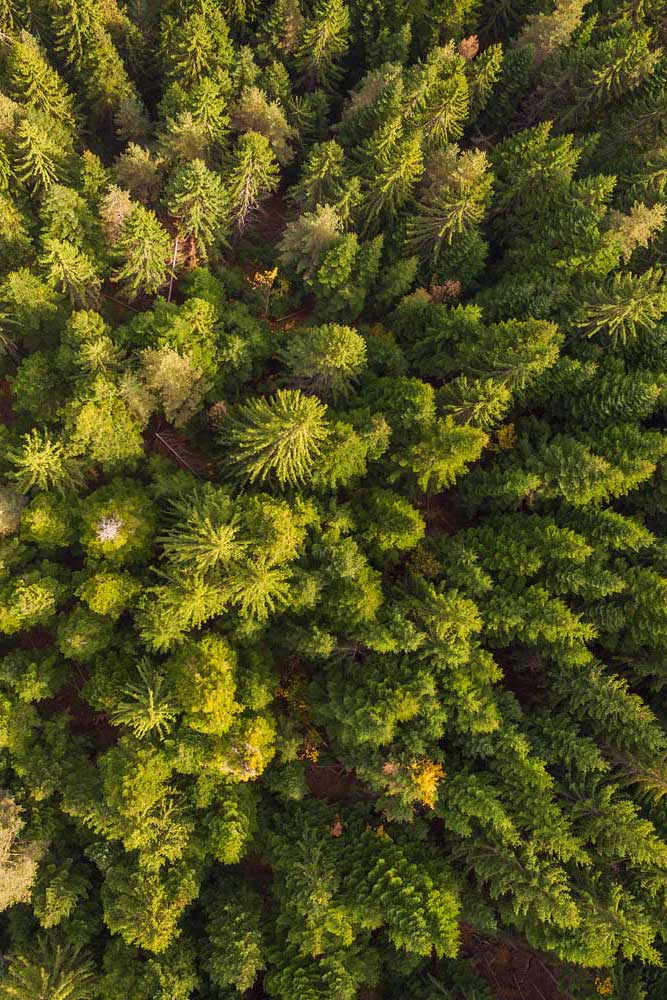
(279, 437)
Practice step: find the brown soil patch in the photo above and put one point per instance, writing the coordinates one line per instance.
(513, 970)
(271, 219)
(333, 783)
(83, 719)
(35, 638)
(440, 514)
(167, 441)
(6, 412)
(297, 318)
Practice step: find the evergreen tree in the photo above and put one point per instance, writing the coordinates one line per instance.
(36, 84)
(143, 247)
(325, 359)
(42, 148)
(41, 461)
(392, 165)
(626, 308)
(71, 272)
(254, 112)
(50, 970)
(235, 933)
(197, 46)
(280, 437)
(18, 861)
(454, 199)
(254, 176)
(324, 39)
(307, 239)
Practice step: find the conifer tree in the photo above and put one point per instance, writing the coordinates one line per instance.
(41, 151)
(176, 380)
(197, 198)
(628, 307)
(325, 359)
(548, 32)
(307, 239)
(392, 165)
(143, 247)
(42, 462)
(254, 112)
(455, 194)
(50, 970)
(235, 933)
(72, 27)
(280, 437)
(198, 46)
(254, 176)
(18, 860)
(324, 39)
(146, 706)
(36, 84)
(324, 181)
(71, 272)
(206, 532)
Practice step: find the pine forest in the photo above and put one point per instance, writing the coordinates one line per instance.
(333, 499)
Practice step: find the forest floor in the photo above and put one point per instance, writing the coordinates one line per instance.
(512, 970)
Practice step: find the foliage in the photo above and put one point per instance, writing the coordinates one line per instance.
(333, 495)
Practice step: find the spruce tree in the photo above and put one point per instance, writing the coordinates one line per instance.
(254, 176)
(50, 970)
(324, 39)
(143, 248)
(198, 199)
(279, 437)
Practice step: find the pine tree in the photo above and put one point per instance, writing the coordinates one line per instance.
(254, 112)
(18, 860)
(325, 359)
(43, 462)
(71, 272)
(177, 382)
(280, 437)
(72, 28)
(235, 934)
(480, 402)
(254, 176)
(392, 165)
(42, 150)
(445, 108)
(136, 171)
(307, 239)
(548, 32)
(626, 308)
(146, 706)
(205, 535)
(442, 454)
(198, 46)
(197, 198)
(36, 84)
(143, 247)
(284, 25)
(483, 74)
(455, 194)
(325, 181)
(50, 969)
(324, 41)
(638, 228)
